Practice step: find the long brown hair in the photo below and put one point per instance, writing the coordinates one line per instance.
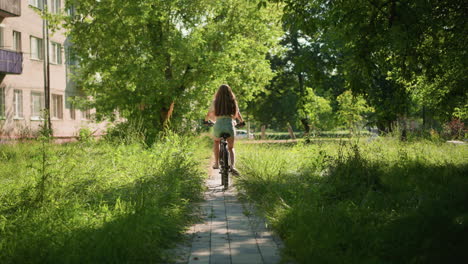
(225, 102)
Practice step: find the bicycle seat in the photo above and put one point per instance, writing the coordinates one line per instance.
(225, 135)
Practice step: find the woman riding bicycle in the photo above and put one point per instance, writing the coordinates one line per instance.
(224, 110)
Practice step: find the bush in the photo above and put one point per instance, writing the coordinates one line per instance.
(85, 135)
(454, 129)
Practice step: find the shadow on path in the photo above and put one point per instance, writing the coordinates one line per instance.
(227, 233)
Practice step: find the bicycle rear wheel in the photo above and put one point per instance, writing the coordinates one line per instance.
(225, 174)
(224, 166)
(221, 165)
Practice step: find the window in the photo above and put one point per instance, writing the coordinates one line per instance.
(37, 51)
(18, 104)
(57, 106)
(70, 56)
(86, 114)
(72, 111)
(2, 102)
(17, 41)
(71, 10)
(37, 104)
(55, 53)
(37, 3)
(55, 6)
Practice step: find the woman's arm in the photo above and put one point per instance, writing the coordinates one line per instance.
(239, 116)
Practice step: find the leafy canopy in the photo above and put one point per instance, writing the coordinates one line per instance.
(145, 58)
(403, 56)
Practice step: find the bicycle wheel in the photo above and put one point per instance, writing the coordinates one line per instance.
(221, 164)
(225, 174)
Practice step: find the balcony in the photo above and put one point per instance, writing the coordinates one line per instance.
(10, 8)
(11, 62)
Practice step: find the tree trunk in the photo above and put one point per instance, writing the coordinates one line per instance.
(305, 123)
(166, 114)
(424, 118)
(263, 132)
(291, 132)
(403, 136)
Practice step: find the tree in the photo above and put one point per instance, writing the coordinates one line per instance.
(393, 52)
(157, 60)
(351, 110)
(316, 109)
(276, 105)
(300, 65)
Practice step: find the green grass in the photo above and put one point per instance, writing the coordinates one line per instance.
(378, 202)
(97, 202)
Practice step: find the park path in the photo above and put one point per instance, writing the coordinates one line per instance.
(229, 233)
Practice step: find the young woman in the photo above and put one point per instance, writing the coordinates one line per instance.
(224, 110)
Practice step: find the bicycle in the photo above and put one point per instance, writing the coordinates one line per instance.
(224, 166)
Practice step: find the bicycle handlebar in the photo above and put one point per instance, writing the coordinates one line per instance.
(241, 124)
(211, 123)
(208, 123)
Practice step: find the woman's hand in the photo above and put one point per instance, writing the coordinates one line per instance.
(208, 122)
(240, 124)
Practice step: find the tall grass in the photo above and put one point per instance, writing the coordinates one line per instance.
(96, 202)
(378, 202)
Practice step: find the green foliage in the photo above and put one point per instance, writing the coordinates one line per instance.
(351, 110)
(454, 129)
(85, 135)
(405, 57)
(101, 202)
(317, 109)
(379, 202)
(302, 88)
(143, 57)
(461, 112)
(129, 132)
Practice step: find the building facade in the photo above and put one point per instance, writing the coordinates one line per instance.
(22, 75)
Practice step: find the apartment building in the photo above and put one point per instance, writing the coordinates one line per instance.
(22, 75)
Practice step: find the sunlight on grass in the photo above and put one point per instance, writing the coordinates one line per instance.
(359, 202)
(97, 202)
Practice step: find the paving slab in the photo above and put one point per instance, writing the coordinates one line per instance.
(225, 235)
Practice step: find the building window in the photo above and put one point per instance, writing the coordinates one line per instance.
(72, 111)
(57, 106)
(2, 103)
(55, 53)
(17, 41)
(37, 3)
(37, 51)
(37, 104)
(18, 104)
(70, 57)
(55, 6)
(71, 10)
(86, 114)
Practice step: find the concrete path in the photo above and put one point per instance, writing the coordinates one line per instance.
(230, 233)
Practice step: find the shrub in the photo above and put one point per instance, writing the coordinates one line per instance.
(454, 129)
(85, 135)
